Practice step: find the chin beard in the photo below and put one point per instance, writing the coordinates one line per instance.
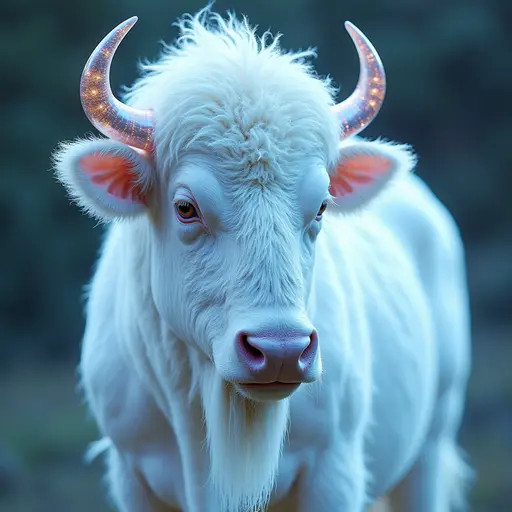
(245, 440)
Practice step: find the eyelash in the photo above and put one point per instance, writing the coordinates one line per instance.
(324, 206)
(184, 220)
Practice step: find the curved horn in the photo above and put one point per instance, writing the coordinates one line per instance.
(359, 110)
(111, 117)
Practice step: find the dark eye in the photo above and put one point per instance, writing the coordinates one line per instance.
(186, 210)
(322, 210)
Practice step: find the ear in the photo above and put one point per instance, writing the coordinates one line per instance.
(364, 169)
(106, 178)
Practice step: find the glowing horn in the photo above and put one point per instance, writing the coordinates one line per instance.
(110, 116)
(358, 111)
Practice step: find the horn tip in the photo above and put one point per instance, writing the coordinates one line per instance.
(351, 28)
(129, 23)
(133, 19)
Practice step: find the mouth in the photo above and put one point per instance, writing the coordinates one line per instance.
(267, 392)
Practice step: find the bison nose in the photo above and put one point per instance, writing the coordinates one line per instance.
(274, 356)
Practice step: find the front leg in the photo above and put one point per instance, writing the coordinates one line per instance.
(337, 482)
(188, 425)
(439, 477)
(129, 491)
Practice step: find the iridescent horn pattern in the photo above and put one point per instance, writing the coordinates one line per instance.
(110, 116)
(360, 108)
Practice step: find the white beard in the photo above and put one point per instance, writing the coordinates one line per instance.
(245, 439)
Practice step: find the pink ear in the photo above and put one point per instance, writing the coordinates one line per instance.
(356, 172)
(115, 174)
(363, 170)
(107, 178)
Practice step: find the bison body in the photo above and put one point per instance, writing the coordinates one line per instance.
(279, 313)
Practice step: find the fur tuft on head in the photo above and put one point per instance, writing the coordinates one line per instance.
(223, 90)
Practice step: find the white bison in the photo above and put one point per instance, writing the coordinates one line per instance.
(279, 316)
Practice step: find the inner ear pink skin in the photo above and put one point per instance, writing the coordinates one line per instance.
(115, 174)
(357, 170)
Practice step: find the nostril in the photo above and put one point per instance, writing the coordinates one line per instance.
(309, 352)
(251, 352)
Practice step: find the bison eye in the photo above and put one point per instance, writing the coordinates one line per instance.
(321, 211)
(186, 210)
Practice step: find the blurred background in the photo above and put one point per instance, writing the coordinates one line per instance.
(449, 69)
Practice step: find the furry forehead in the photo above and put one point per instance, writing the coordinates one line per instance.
(220, 88)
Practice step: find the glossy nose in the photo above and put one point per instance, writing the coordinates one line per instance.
(278, 356)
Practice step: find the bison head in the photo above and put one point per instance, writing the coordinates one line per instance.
(229, 155)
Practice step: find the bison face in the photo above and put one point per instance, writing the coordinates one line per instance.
(232, 264)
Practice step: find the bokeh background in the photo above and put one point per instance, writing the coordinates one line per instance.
(449, 68)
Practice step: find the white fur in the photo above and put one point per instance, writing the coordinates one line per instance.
(246, 130)
(241, 470)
